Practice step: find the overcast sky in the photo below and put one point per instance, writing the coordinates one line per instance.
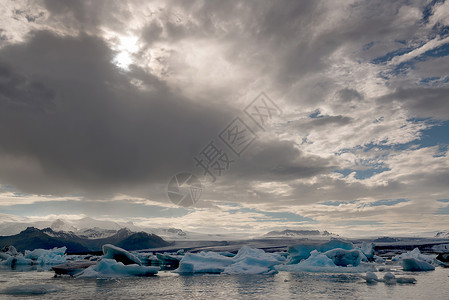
(102, 102)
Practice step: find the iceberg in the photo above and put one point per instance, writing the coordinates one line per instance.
(416, 254)
(246, 261)
(167, 259)
(109, 268)
(368, 250)
(13, 261)
(413, 264)
(120, 255)
(319, 262)
(47, 257)
(301, 252)
(253, 261)
(378, 259)
(416, 261)
(203, 262)
(370, 277)
(388, 278)
(344, 258)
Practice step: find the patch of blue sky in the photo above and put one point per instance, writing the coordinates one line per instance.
(316, 114)
(337, 203)
(440, 51)
(443, 200)
(435, 81)
(362, 174)
(388, 202)
(390, 55)
(122, 209)
(435, 135)
(428, 10)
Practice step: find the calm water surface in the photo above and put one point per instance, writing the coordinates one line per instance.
(167, 285)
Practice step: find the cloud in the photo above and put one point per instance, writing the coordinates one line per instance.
(83, 126)
(100, 99)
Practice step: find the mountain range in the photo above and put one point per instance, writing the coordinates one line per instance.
(86, 228)
(32, 238)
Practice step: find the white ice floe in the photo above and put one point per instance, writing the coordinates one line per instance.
(379, 260)
(12, 261)
(47, 257)
(320, 262)
(413, 264)
(389, 278)
(300, 252)
(253, 261)
(36, 257)
(203, 262)
(416, 261)
(415, 253)
(120, 255)
(344, 258)
(109, 268)
(368, 250)
(246, 261)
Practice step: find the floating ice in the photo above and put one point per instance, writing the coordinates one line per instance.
(413, 264)
(388, 278)
(253, 261)
(379, 259)
(344, 258)
(47, 257)
(415, 253)
(368, 250)
(319, 262)
(109, 268)
(300, 252)
(120, 255)
(246, 261)
(370, 277)
(203, 262)
(169, 259)
(405, 280)
(13, 261)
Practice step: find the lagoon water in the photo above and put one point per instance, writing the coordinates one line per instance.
(32, 284)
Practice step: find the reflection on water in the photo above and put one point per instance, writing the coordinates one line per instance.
(167, 285)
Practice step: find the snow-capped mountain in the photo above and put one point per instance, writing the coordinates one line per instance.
(442, 234)
(289, 233)
(87, 228)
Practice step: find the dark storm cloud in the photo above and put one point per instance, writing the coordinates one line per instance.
(347, 95)
(272, 160)
(66, 107)
(82, 127)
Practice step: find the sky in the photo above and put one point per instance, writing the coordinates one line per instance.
(329, 115)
